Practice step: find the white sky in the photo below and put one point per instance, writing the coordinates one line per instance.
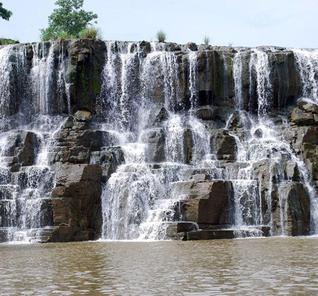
(291, 23)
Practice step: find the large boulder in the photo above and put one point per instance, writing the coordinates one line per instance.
(77, 140)
(76, 204)
(192, 46)
(291, 209)
(206, 203)
(311, 136)
(21, 149)
(305, 113)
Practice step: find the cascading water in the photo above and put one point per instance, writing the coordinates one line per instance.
(260, 68)
(265, 144)
(307, 62)
(5, 78)
(168, 129)
(145, 205)
(237, 75)
(41, 76)
(192, 78)
(137, 200)
(26, 177)
(135, 197)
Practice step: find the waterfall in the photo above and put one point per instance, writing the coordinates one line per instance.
(269, 146)
(201, 140)
(31, 92)
(137, 199)
(5, 68)
(192, 78)
(169, 66)
(177, 136)
(137, 202)
(13, 73)
(199, 132)
(307, 62)
(26, 193)
(41, 76)
(225, 75)
(259, 65)
(237, 75)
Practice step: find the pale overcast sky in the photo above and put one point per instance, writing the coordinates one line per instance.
(291, 23)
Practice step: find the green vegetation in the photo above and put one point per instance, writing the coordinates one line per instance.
(68, 20)
(206, 40)
(4, 13)
(90, 33)
(4, 41)
(161, 36)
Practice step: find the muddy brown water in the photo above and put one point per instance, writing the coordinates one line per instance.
(272, 266)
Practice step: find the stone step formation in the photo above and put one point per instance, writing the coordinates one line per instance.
(148, 141)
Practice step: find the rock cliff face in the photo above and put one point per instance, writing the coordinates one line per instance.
(123, 140)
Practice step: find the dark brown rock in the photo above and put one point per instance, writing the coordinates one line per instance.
(76, 202)
(296, 220)
(207, 203)
(22, 148)
(224, 146)
(87, 60)
(311, 136)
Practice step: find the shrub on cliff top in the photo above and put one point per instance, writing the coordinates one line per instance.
(5, 41)
(161, 36)
(63, 36)
(90, 33)
(206, 40)
(67, 19)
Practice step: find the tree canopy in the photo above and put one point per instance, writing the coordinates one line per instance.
(67, 20)
(4, 13)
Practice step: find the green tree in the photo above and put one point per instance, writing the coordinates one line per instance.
(67, 20)
(4, 13)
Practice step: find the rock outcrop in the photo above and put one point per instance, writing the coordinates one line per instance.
(183, 141)
(82, 163)
(76, 203)
(206, 203)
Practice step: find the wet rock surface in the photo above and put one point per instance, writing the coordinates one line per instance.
(205, 202)
(76, 202)
(21, 149)
(208, 142)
